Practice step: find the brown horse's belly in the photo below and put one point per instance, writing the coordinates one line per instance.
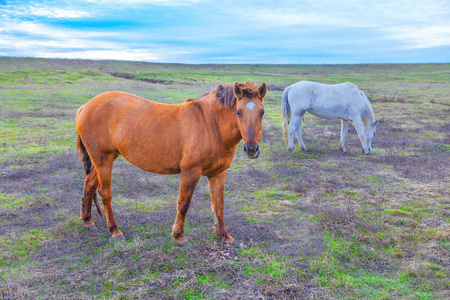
(164, 163)
(154, 163)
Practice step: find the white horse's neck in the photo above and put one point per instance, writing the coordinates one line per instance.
(369, 115)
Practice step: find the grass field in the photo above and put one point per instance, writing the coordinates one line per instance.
(315, 225)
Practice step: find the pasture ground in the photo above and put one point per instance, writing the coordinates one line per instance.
(315, 225)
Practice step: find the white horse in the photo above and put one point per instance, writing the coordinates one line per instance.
(341, 101)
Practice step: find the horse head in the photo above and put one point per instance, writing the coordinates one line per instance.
(250, 111)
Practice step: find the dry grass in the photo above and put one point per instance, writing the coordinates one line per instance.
(316, 225)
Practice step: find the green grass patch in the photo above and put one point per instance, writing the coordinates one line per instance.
(11, 201)
(343, 266)
(144, 204)
(268, 200)
(350, 192)
(17, 249)
(406, 210)
(50, 77)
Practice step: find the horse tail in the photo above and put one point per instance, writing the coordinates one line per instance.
(285, 113)
(84, 156)
(87, 164)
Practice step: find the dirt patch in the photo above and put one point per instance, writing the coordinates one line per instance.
(131, 76)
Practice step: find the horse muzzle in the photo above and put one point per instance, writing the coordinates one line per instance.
(252, 152)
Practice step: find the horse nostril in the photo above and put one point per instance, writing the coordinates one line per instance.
(252, 151)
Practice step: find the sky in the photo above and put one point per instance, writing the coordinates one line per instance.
(229, 31)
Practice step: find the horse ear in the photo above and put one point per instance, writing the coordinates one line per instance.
(374, 124)
(238, 92)
(262, 90)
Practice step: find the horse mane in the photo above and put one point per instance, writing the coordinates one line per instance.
(249, 89)
(368, 104)
(226, 94)
(192, 99)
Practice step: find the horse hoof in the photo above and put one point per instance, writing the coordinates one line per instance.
(187, 244)
(92, 228)
(183, 242)
(230, 243)
(229, 240)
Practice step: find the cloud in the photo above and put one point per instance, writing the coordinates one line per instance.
(344, 14)
(126, 54)
(41, 40)
(198, 31)
(416, 25)
(296, 17)
(38, 30)
(41, 10)
(148, 2)
(420, 37)
(85, 49)
(17, 44)
(60, 13)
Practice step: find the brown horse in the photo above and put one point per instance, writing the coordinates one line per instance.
(194, 138)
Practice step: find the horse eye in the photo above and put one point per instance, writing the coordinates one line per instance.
(238, 113)
(262, 113)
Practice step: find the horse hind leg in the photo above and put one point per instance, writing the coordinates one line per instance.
(104, 188)
(291, 132)
(295, 128)
(344, 131)
(89, 196)
(286, 131)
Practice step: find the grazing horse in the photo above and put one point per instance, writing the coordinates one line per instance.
(341, 101)
(194, 138)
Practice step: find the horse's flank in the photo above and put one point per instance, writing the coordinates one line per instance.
(157, 148)
(332, 101)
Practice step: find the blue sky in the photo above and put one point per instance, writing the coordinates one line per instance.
(229, 31)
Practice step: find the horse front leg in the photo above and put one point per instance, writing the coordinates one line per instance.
(362, 136)
(216, 187)
(188, 183)
(344, 131)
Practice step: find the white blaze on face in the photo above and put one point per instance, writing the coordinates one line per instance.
(251, 105)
